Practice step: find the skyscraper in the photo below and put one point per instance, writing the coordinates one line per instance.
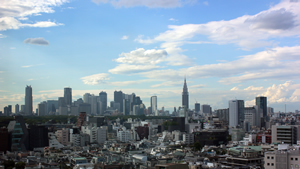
(28, 100)
(185, 96)
(153, 104)
(103, 100)
(17, 108)
(236, 112)
(118, 98)
(262, 103)
(197, 107)
(68, 95)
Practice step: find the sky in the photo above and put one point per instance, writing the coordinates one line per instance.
(226, 50)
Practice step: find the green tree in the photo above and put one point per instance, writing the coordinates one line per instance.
(20, 165)
(8, 164)
(197, 146)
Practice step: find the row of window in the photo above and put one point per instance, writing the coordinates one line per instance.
(268, 164)
(292, 159)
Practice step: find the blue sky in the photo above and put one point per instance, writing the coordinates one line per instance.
(226, 49)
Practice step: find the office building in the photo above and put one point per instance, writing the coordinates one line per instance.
(103, 100)
(17, 108)
(252, 115)
(9, 109)
(287, 134)
(5, 111)
(205, 109)
(23, 108)
(68, 95)
(262, 103)
(223, 114)
(126, 106)
(118, 98)
(52, 105)
(28, 100)
(86, 98)
(197, 107)
(283, 158)
(38, 137)
(185, 96)
(236, 113)
(153, 102)
(19, 134)
(61, 102)
(42, 109)
(62, 136)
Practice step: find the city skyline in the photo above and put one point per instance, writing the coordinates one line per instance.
(226, 50)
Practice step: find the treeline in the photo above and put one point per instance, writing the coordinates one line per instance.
(33, 120)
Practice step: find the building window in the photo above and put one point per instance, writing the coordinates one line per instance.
(268, 157)
(268, 164)
(272, 158)
(292, 159)
(296, 159)
(272, 164)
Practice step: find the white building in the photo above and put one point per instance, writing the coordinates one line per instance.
(53, 142)
(124, 135)
(188, 138)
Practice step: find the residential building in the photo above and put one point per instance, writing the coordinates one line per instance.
(62, 136)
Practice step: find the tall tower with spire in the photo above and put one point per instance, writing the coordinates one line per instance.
(185, 96)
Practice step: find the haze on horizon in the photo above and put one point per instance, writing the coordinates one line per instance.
(226, 50)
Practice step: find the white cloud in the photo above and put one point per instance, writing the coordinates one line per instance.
(234, 88)
(12, 23)
(95, 79)
(147, 3)
(172, 19)
(36, 41)
(2, 36)
(142, 56)
(168, 83)
(248, 31)
(27, 66)
(132, 69)
(125, 37)
(197, 86)
(280, 63)
(30, 79)
(12, 12)
(205, 3)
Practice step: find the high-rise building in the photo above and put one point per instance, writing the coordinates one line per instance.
(17, 108)
(197, 107)
(153, 101)
(61, 102)
(103, 100)
(28, 100)
(262, 103)
(86, 98)
(42, 109)
(118, 98)
(236, 113)
(9, 109)
(185, 96)
(68, 95)
(23, 108)
(205, 109)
